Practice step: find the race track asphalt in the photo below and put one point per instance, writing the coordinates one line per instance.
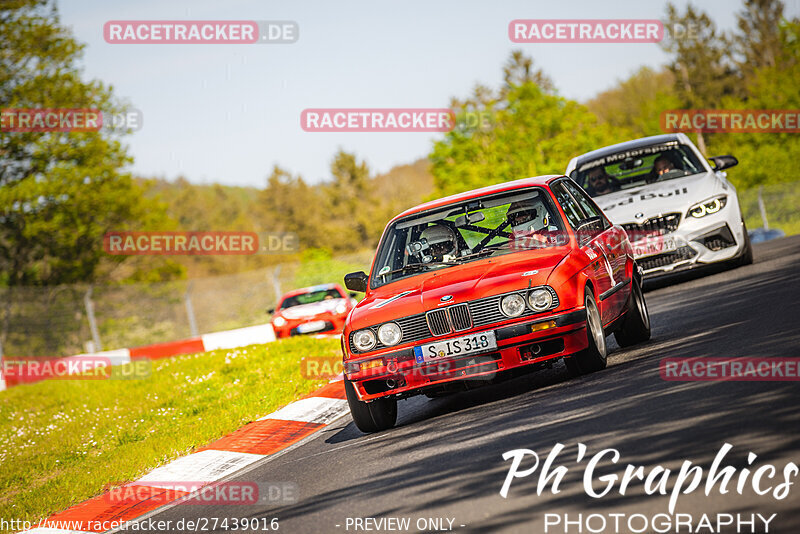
(445, 457)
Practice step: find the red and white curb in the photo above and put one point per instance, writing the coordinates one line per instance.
(222, 458)
(230, 339)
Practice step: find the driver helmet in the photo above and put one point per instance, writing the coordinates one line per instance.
(441, 241)
(523, 214)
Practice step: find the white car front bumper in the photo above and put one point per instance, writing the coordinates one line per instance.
(714, 238)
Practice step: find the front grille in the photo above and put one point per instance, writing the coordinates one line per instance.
(459, 315)
(654, 226)
(451, 319)
(438, 323)
(683, 253)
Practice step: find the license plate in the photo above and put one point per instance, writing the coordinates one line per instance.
(459, 346)
(654, 245)
(313, 326)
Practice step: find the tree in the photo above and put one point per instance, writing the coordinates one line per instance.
(768, 157)
(351, 205)
(635, 104)
(288, 204)
(60, 191)
(757, 42)
(703, 69)
(532, 132)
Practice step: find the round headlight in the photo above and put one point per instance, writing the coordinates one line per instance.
(341, 308)
(540, 299)
(278, 321)
(364, 339)
(512, 305)
(390, 334)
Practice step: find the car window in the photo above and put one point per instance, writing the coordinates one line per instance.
(310, 297)
(636, 167)
(466, 231)
(571, 208)
(583, 199)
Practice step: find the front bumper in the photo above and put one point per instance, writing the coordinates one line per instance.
(334, 324)
(698, 242)
(519, 344)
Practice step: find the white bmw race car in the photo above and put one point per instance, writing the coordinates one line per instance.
(679, 212)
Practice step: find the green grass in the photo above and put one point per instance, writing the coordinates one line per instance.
(62, 441)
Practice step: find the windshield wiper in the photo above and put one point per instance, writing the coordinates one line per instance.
(416, 266)
(484, 250)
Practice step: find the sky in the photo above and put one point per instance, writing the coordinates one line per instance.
(227, 113)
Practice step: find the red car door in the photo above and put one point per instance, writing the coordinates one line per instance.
(591, 240)
(612, 240)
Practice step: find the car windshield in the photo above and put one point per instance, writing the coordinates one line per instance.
(636, 167)
(309, 298)
(458, 233)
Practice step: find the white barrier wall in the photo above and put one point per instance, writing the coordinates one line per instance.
(240, 337)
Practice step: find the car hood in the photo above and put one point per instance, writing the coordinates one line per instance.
(482, 278)
(677, 195)
(305, 311)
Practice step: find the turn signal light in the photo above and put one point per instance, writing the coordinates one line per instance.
(543, 326)
(370, 364)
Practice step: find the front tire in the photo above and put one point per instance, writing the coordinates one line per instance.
(593, 357)
(747, 254)
(636, 325)
(375, 416)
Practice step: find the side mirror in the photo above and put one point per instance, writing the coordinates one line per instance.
(356, 281)
(723, 162)
(271, 311)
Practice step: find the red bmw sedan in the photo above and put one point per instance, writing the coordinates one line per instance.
(471, 288)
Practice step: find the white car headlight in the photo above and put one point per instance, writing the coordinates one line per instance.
(278, 321)
(341, 308)
(390, 334)
(364, 339)
(540, 299)
(708, 207)
(512, 305)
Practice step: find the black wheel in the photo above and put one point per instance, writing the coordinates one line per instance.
(747, 255)
(593, 357)
(636, 325)
(374, 416)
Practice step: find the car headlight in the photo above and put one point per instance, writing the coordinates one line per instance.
(390, 334)
(364, 339)
(341, 308)
(512, 305)
(279, 321)
(708, 207)
(540, 299)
